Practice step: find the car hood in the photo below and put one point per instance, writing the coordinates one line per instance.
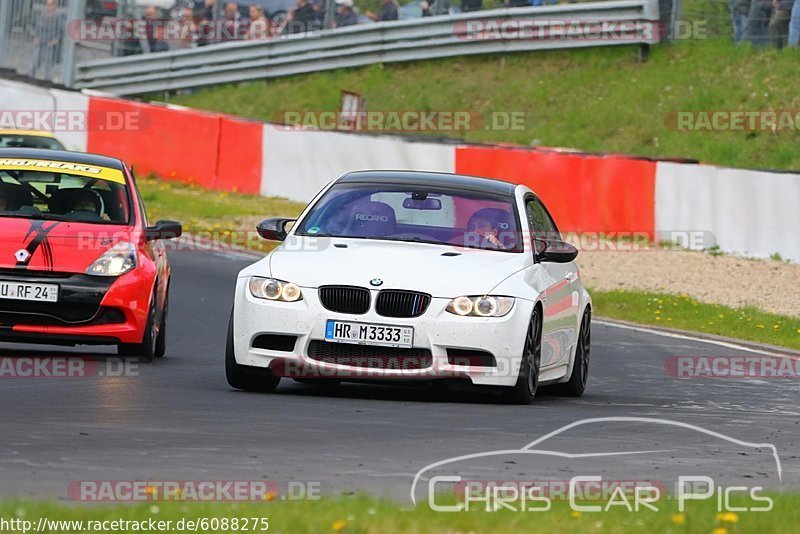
(54, 245)
(441, 271)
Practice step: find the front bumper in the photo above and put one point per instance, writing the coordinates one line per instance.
(90, 309)
(436, 331)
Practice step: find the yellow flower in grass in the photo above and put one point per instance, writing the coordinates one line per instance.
(575, 514)
(728, 517)
(339, 525)
(679, 519)
(720, 530)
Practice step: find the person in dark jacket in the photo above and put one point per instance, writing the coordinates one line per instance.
(345, 15)
(304, 18)
(756, 31)
(779, 23)
(48, 35)
(471, 5)
(388, 11)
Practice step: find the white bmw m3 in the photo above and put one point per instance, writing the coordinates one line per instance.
(396, 276)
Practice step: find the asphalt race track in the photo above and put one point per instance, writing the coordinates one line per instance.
(177, 419)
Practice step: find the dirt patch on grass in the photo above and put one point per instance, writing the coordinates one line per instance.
(771, 286)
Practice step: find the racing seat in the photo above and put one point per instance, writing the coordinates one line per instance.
(15, 196)
(371, 219)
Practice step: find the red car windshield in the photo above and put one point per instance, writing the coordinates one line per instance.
(62, 197)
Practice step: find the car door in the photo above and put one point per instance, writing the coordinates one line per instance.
(156, 251)
(561, 296)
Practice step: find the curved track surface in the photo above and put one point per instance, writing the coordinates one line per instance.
(177, 419)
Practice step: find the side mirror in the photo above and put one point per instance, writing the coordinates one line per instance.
(274, 229)
(554, 251)
(163, 230)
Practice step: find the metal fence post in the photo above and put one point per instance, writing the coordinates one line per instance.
(5, 9)
(75, 11)
(330, 14)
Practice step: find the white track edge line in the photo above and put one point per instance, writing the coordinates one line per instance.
(673, 335)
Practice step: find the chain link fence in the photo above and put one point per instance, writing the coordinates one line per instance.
(35, 39)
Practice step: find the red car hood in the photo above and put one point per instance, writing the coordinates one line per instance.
(54, 245)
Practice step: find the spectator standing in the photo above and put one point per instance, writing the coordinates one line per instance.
(756, 31)
(779, 22)
(794, 25)
(233, 26)
(471, 5)
(260, 26)
(154, 31)
(388, 11)
(48, 34)
(187, 38)
(345, 14)
(304, 18)
(739, 11)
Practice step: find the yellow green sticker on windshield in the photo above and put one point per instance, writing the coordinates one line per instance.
(66, 167)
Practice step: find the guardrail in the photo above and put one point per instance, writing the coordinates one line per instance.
(484, 32)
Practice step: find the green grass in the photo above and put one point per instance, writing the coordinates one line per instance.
(595, 99)
(226, 217)
(371, 516)
(685, 313)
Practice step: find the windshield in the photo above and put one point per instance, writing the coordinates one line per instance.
(416, 214)
(62, 197)
(29, 141)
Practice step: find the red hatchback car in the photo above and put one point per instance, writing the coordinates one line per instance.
(79, 263)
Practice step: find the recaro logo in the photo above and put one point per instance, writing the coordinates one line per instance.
(366, 217)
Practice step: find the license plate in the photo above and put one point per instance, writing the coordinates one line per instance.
(369, 334)
(24, 291)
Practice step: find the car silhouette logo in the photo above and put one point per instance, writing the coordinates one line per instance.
(376, 282)
(22, 255)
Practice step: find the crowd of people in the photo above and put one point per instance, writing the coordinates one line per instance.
(208, 21)
(202, 26)
(766, 22)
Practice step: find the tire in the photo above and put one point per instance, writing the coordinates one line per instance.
(161, 340)
(146, 350)
(524, 390)
(245, 377)
(580, 369)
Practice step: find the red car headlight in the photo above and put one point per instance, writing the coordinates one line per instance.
(117, 260)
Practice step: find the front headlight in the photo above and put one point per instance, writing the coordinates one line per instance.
(117, 260)
(483, 306)
(271, 289)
